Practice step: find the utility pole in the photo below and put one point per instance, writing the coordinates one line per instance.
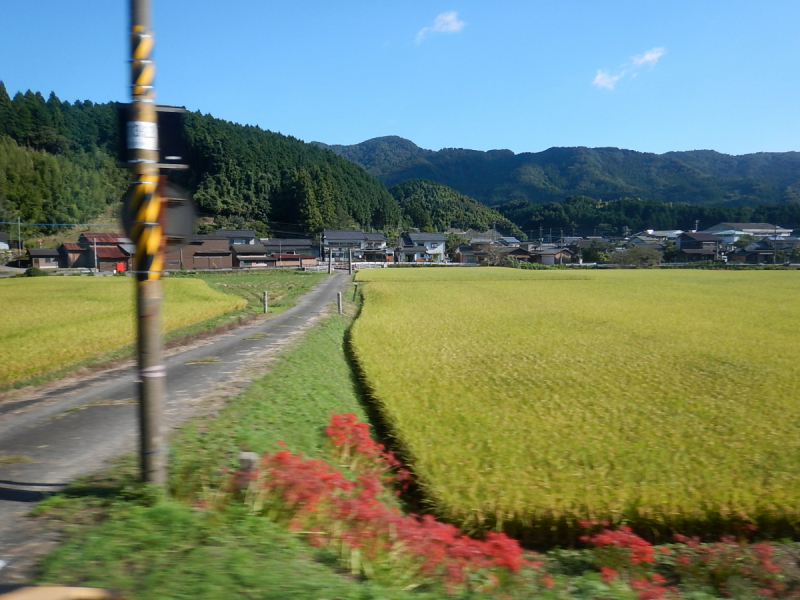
(19, 236)
(775, 245)
(350, 261)
(541, 239)
(145, 209)
(96, 266)
(696, 225)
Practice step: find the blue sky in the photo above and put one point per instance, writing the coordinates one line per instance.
(646, 75)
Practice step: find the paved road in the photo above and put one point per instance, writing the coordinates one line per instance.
(73, 428)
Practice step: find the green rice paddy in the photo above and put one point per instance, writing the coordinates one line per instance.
(527, 400)
(50, 322)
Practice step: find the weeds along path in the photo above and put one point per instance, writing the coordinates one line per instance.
(51, 437)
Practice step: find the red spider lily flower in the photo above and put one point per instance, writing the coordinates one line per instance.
(607, 574)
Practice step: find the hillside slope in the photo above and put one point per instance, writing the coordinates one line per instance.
(436, 207)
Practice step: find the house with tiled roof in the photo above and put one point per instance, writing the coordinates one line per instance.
(201, 252)
(370, 247)
(44, 258)
(422, 246)
(698, 245)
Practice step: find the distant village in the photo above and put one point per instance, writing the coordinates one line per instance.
(745, 243)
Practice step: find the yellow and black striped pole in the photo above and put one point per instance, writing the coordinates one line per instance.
(145, 214)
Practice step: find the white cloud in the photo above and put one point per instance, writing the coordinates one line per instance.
(446, 22)
(648, 58)
(604, 80)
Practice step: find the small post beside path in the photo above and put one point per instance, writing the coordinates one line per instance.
(264, 300)
(339, 301)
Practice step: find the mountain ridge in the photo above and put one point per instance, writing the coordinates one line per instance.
(702, 177)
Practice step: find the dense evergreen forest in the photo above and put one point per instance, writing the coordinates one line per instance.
(435, 207)
(58, 164)
(701, 177)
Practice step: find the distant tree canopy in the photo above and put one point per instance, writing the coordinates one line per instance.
(636, 257)
(587, 215)
(432, 206)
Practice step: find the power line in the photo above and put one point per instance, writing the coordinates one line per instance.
(56, 224)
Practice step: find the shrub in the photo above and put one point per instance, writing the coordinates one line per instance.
(35, 272)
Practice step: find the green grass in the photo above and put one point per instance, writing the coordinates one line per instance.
(282, 287)
(528, 400)
(292, 404)
(122, 535)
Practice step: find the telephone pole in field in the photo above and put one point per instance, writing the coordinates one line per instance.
(144, 208)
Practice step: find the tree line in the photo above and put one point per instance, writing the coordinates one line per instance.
(587, 215)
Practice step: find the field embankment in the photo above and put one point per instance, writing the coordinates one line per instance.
(52, 322)
(530, 400)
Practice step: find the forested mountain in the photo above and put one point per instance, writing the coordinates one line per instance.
(702, 177)
(58, 165)
(432, 206)
(588, 216)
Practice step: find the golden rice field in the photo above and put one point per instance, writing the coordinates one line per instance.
(530, 399)
(50, 322)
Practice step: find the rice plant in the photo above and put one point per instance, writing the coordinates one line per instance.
(529, 400)
(50, 322)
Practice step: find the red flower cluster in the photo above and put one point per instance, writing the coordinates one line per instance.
(620, 551)
(717, 563)
(340, 513)
(640, 551)
(650, 588)
(352, 442)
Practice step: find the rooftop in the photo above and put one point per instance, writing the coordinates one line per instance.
(418, 238)
(701, 236)
(249, 249)
(104, 238)
(112, 252)
(343, 234)
(243, 233)
(43, 252)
